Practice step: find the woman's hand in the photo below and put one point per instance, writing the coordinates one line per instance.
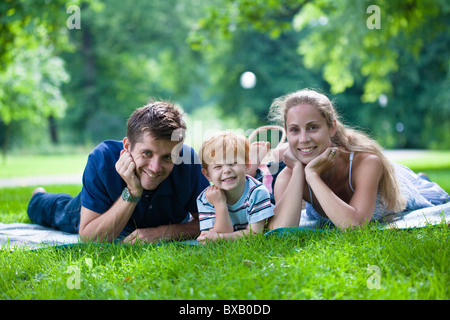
(323, 162)
(290, 160)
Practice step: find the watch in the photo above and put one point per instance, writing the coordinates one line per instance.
(126, 196)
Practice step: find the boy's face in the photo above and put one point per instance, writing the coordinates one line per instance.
(226, 176)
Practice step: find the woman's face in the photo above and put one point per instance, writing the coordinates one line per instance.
(307, 132)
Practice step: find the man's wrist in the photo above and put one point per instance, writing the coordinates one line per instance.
(129, 196)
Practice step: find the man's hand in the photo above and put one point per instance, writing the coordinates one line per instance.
(126, 168)
(176, 232)
(144, 235)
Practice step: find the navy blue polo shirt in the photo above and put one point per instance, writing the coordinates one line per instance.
(169, 203)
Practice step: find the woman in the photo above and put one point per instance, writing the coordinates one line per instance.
(340, 172)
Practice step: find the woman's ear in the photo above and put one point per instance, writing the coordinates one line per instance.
(333, 129)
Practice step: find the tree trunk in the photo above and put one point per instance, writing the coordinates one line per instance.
(5, 144)
(53, 129)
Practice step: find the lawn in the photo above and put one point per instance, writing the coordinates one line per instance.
(359, 264)
(17, 166)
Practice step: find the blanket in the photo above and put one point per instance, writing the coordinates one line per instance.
(34, 236)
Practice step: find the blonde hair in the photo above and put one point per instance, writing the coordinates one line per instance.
(224, 146)
(349, 139)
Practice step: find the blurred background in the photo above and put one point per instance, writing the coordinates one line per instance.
(71, 72)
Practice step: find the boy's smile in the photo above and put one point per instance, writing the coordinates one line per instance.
(228, 177)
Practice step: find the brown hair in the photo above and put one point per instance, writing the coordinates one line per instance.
(226, 146)
(162, 119)
(350, 139)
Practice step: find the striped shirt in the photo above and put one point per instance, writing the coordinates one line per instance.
(253, 206)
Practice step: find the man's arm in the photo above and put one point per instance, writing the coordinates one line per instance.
(107, 226)
(177, 232)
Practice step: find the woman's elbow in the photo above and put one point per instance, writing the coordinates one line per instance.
(354, 222)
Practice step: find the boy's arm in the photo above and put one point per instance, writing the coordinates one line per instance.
(177, 232)
(222, 223)
(256, 227)
(216, 197)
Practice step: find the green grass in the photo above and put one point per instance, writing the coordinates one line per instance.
(28, 165)
(428, 160)
(407, 264)
(436, 164)
(411, 265)
(14, 201)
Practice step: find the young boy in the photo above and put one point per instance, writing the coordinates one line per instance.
(236, 203)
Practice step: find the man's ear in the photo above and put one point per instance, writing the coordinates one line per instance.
(205, 173)
(126, 144)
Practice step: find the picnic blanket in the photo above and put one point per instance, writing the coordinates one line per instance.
(34, 236)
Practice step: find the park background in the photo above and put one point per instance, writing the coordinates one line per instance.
(71, 72)
(69, 79)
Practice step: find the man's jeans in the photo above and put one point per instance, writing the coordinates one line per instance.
(59, 211)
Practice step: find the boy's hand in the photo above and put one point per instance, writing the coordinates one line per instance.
(126, 168)
(207, 235)
(215, 196)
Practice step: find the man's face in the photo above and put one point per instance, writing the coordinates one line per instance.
(154, 159)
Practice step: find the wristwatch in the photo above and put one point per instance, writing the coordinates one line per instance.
(126, 196)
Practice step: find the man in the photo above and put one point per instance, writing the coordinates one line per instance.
(143, 188)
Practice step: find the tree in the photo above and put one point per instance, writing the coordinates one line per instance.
(125, 54)
(383, 50)
(31, 73)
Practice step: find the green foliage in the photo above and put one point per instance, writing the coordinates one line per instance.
(31, 73)
(124, 55)
(194, 54)
(30, 86)
(31, 76)
(404, 58)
